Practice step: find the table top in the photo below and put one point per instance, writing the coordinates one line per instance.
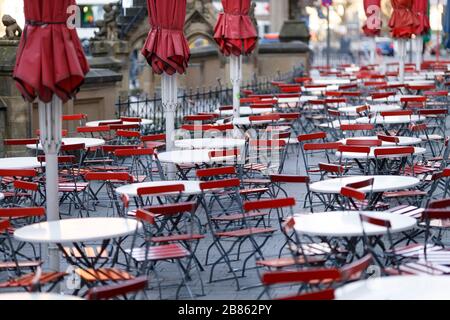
(403, 141)
(20, 163)
(88, 142)
(336, 124)
(191, 187)
(391, 119)
(396, 98)
(348, 223)
(191, 157)
(297, 100)
(356, 155)
(244, 111)
(36, 296)
(320, 89)
(331, 81)
(376, 108)
(397, 288)
(209, 143)
(77, 230)
(144, 122)
(380, 184)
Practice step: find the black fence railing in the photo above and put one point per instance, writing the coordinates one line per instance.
(194, 101)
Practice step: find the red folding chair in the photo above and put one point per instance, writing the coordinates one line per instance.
(121, 290)
(151, 249)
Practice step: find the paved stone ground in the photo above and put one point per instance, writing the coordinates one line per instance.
(225, 290)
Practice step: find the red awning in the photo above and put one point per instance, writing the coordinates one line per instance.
(403, 22)
(372, 27)
(420, 8)
(166, 48)
(235, 32)
(50, 59)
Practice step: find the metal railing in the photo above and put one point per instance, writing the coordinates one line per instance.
(193, 101)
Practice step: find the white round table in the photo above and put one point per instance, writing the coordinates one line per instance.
(191, 157)
(77, 230)
(390, 119)
(36, 296)
(244, 111)
(210, 143)
(403, 141)
(355, 155)
(320, 90)
(376, 108)
(336, 124)
(144, 122)
(331, 81)
(397, 288)
(396, 98)
(88, 143)
(191, 187)
(348, 223)
(20, 163)
(380, 184)
(300, 99)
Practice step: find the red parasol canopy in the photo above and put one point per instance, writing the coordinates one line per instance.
(403, 22)
(420, 8)
(372, 27)
(166, 48)
(235, 32)
(50, 59)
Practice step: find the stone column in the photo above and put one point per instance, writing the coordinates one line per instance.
(279, 13)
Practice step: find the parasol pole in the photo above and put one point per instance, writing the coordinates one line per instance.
(402, 54)
(169, 97)
(50, 124)
(236, 79)
(373, 54)
(419, 51)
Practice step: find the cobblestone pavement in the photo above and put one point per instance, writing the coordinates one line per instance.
(224, 290)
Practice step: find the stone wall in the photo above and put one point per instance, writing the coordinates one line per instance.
(19, 119)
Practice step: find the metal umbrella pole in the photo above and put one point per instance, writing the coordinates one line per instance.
(402, 54)
(419, 50)
(50, 125)
(373, 53)
(169, 95)
(236, 79)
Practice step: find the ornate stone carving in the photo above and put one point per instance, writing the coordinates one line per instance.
(108, 28)
(200, 19)
(13, 31)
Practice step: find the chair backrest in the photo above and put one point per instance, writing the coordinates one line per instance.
(352, 193)
(214, 172)
(220, 184)
(109, 176)
(396, 113)
(331, 168)
(375, 221)
(134, 152)
(312, 136)
(160, 190)
(357, 127)
(302, 276)
(20, 142)
(75, 117)
(269, 204)
(117, 290)
(131, 119)
(397, 151)
(354, 270)
(18, 173)
(154, 137)
(354, 149)
(22, 212)
(364, 142)
(386, 138)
